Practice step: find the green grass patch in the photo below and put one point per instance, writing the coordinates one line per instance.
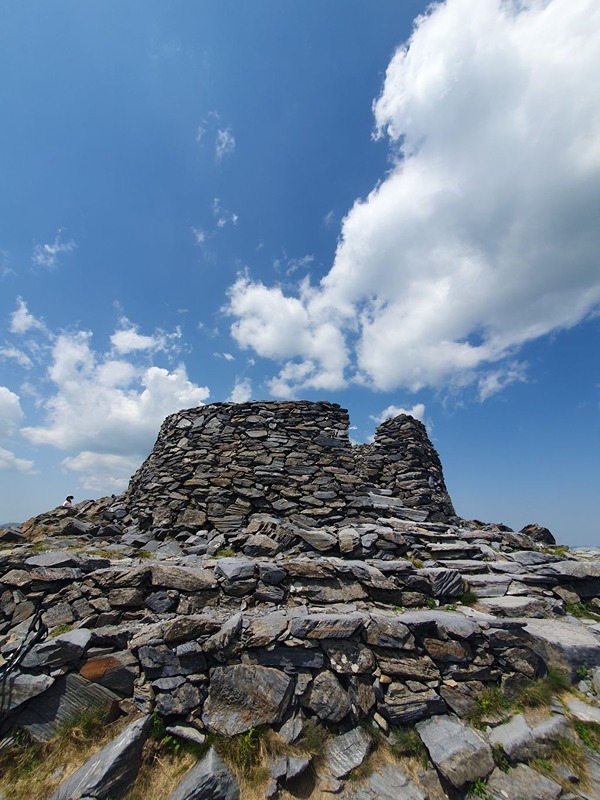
(61, 629)
(490, 702)
(478, 789)
(541, 691)
(224, 552)
(589, 734)
(468, 598)
(582, 610)
(406, 742)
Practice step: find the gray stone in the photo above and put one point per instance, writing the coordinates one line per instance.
(60, 650)
(224, 638)
(235, 569)
(522, 782)
(18, 688)
(292, 729)
(457, 751)
(565, 646)
(290, 658)
(111, 771)
(209, 779)
(405, 707)
(178, 701)
(68, 697)
(242, 697)
(185, 579)
(515, 738)
(384, 631)
(583, 712)
(296, 766)
(319, 540)
(349, 658)
(388, 782)
(325, 626)
(327, 699)
(346, 752)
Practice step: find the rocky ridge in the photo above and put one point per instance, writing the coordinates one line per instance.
(260, 570)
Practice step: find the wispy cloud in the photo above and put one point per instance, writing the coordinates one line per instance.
(47, 255)
(417, 411)
(225, 143)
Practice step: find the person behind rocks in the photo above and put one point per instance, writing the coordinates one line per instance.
(68, 502)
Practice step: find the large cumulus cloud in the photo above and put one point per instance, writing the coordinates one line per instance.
(483, 235)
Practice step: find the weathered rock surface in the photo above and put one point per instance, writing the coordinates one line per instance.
(110, 772)
(262, 570)
(458, 752)
(209, 779)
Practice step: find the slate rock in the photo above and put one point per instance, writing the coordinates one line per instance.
(18, 688)
(111, 771)
(59, 650)
(209, 779)
(565, 646)
(326, 626)
(68, 697)
(521, 782)
(327, 699)
(241, 697)
(116, 671)
(346, 752)
(457, 751)
(583, 712)
(389, 782)
(402, 706)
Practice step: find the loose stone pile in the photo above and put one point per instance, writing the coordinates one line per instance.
(261, 570)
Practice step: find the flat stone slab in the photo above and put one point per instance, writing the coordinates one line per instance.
(389, 782)
(68, 696)
(583, 712)
(457, 751)
(242, 697)
(18, 689)
(522, 782)
(564, 645)
(112, 770)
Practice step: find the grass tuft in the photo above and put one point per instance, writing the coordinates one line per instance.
(589, 734)
(490, 702)
(468, 598)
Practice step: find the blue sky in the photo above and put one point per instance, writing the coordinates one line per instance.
(386, 205)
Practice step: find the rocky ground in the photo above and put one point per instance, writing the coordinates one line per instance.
(373, 625)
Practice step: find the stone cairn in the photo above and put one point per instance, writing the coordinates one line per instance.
(262, 570)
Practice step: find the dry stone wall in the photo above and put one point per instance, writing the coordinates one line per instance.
(215, 466)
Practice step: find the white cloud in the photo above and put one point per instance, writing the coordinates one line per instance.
(16, 355)
(225, 143)
(47, 255)
(10, 412)
(483, 236)
(242, 391)
(199, 235)
(106, 408)
(417, 411)
(128, 340)
(10, 463)
(11, 415)
(102, 472)
(281, 327)
(21, 321)
(222, 214)
(496, 380)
